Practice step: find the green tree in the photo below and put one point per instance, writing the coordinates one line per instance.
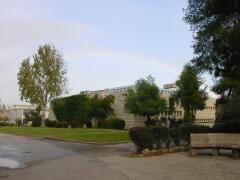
(216, 27)
(171, 104)
(42, 79)
(229, 111)
(100, 108)
(144, 99)
(189, 94)
(34, 117)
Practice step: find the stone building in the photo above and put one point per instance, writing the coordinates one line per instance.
(204, 117)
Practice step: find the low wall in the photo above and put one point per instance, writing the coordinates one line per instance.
(215, 140)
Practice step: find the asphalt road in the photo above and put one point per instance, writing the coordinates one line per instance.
(24, 158)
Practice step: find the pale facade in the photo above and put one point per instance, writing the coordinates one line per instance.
(3, 113)
(204, 117)
(17, 112)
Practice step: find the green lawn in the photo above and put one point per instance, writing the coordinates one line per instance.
(78, 134)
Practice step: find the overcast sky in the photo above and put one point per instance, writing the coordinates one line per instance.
(104, 43)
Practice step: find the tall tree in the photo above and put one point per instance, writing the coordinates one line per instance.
(42, 78)
(100, 108)
(171, 104)
(144, 99)
(216, 27)
(189, 94)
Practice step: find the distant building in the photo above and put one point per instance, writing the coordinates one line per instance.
(17, 112)
(203, 117)
(3, 112)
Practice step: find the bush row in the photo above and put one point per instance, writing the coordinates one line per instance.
(113, 123)
(6, 124)
(156, 137)
(227, 127)
(56, 124)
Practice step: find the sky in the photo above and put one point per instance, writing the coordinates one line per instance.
(104, 43)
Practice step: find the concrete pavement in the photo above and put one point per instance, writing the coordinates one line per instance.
(42, 159)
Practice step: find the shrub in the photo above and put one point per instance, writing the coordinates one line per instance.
(141, 138)
(76, 124)
(3, 124)
(34, 117)
(113, 123)
(150, 122)
(227, 127)
(175, 135)
(18, 122)
(89, 124)
(56, 124)
(175, 123)
(50, 123)
(36, 122)
(158, 136)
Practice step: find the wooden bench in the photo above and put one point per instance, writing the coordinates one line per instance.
(215, 141)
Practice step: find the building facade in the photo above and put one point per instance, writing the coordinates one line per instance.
(16, 112)
(204, 117)
(3, 113)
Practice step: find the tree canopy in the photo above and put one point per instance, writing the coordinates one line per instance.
(144, 99)
(101, 108)
(189, 94)
(216, 27)
(42, 77)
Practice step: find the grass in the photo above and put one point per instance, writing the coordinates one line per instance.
(78, 134)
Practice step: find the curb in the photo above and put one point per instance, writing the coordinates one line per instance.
(68, 140)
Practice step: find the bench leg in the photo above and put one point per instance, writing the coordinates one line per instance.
(193, 152)
(235, 153)
(215, 152)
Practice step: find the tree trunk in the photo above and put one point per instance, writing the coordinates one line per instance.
(148, 117)
(43, 117)
(95, 123)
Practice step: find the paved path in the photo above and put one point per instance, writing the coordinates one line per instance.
(41, 159)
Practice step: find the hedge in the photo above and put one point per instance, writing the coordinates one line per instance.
(6, 124)
(157, 136)
(56, 124)
(227, 127)
(34, 117)
(113, 123)
(141, 138)
(71, 109)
